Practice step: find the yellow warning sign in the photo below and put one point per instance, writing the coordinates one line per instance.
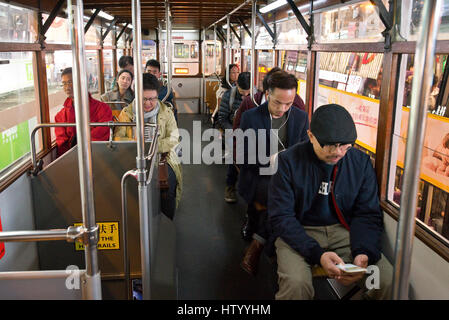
(108, 236)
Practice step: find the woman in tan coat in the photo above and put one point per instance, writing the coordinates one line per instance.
(157, 112)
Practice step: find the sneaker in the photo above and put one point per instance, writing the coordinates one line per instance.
(230, 195)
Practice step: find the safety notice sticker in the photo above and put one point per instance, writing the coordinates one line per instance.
(108, 236)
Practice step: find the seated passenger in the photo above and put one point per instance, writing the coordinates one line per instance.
(290, 127)
(154, 67)
(125, 63)
(229, 104)
(157, 112)
(224, 86)
(99, 112)
(323, 209)
(260, 98)
(121, 93)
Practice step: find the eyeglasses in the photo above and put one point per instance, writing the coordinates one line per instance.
(332, 147)
(150, 99)
(68, 83)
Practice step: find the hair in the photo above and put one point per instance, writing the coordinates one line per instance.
(123, 71)
(124, 61)
(224, 83)
(282, 80)
(244, 80)
(267, 76)
(66, 71)
(153, 63)
(150, 82)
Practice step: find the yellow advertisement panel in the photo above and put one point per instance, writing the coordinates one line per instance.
(364, 111)
(435, 157)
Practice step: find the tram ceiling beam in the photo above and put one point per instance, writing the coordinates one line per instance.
(91, 20)
(111, 25)
(244, 26)
(53, 14)
(220, 34)
(123, 30)
(300, 17)
(236, 35)
(267, 27)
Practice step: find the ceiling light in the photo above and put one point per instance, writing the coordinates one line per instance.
(104, 15)
(272, 6)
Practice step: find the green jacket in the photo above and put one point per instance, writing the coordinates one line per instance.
(167, 141)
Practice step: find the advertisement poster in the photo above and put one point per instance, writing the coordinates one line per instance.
(435, 153)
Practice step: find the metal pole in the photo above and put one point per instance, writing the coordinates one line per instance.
(228, 48)
(168, 51)
(69, 234)
(215, 49)
(230, 13)
(253, 51)
(424, 58)
(81, 104)
(203, 66)
(140, 160)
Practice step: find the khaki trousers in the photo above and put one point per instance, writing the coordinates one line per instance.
(295, 275)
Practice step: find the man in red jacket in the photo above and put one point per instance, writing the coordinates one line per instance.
(99, 112)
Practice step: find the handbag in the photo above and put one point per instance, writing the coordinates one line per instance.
(163, 172)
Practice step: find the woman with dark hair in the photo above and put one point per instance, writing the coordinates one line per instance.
(121, 94)
(224, 86)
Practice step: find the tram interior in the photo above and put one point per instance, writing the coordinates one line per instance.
(196, 256)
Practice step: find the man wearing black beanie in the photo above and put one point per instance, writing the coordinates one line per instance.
(323, 209)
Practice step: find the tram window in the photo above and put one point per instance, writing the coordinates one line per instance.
(92, 70)
(193, 51)
(359, 22)
(210, 61)
(181, 50)
(434, 173)
(92, 36)
(58, 31)
(266, 63)
(353, 81)
(411, 20)
(17, 24)
(108, 69)
(18, 106)
(120, 53)
(291, 33)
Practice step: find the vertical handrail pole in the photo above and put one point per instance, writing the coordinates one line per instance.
(168, 50)
(424, 58)
(140, 160)
(228, 48)
(253, 51)
(203, 68)
(215, 49)
(81, 104)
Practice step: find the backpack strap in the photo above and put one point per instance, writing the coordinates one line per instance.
(341, 218)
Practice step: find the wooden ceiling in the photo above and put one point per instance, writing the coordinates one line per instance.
(192, 14)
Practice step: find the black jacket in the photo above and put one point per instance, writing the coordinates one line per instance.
(294, 186)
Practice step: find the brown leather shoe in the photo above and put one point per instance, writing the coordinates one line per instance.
(250, 262)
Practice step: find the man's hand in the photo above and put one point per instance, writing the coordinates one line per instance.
(346, 279)
(328, 261)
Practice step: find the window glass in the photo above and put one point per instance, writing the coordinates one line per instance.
(18, 106)
(266, 63)
(353, 80)
(92, 70)
(213, 65)
(108, 40)
(17, 24)
(295, 62)
(291, 33)
(108, 69)
(433, 188)
(354, 23)
(410, 11)
(263, 40)
(92, 36)
(58, 31)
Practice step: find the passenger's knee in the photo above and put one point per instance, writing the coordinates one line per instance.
(294, 287)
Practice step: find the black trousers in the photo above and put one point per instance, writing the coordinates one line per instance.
(168, 197)
(258, 219)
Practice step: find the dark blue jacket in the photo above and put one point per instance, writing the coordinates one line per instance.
(296, 183)
(259, 118)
